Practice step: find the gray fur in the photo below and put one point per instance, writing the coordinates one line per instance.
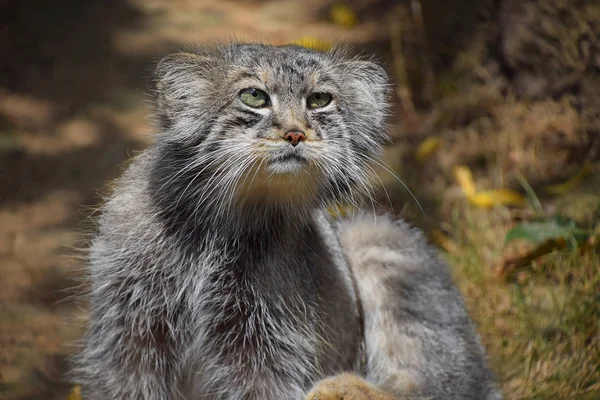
(216, 274)
(419, 338)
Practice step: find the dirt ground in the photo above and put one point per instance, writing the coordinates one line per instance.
(73, 106)
(74, 84)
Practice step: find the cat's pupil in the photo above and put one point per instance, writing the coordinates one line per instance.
(254, 93)
(318, 97)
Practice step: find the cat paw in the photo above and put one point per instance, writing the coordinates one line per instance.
(346, 387)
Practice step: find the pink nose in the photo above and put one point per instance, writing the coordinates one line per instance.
(294, 137)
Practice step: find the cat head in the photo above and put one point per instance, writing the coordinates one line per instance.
(279, 125)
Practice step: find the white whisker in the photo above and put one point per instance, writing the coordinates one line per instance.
(388, 169)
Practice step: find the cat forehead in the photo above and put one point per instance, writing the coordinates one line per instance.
(287, 68)
(279, 59)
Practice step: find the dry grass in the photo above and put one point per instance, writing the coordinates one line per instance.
(541, 327)
(541, 330)
(541, 324)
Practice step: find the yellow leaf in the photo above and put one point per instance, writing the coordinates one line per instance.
(314, 43)
(443, 241)
(465, 179)
(75, 393)
(427, 148)
(339, 210)
(498, 197)
(572, 183)
(342, 15)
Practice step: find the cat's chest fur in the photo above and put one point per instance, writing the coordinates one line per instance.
(282, 314)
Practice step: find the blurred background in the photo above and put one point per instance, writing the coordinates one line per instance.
(496, 131)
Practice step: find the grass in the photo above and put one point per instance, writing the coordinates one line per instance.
(541, 325)
(542, 329)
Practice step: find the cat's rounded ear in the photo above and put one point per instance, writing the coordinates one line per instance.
(181, 79)
(368, 91)
(180, 65)
(369, 72)
(371, 78)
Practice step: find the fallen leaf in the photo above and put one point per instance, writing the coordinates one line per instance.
(314, 43)
(75, 393)
(572, 183)
(497, 197)
(487, 198)
(514, 264)
(342, 15)
(557, 227)
(551, 234)
(443, 241)
(465, 179)
(427, 147)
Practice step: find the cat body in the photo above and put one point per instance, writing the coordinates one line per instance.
(217, 274)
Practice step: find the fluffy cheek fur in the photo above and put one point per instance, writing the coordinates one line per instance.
(235, 144)
(345, 155)
(354, 132)
(239, 158)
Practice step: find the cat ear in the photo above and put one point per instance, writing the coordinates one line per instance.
(181, 80)
(371, 78)
(368, 90)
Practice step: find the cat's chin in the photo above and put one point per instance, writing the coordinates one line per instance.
(287, 181)
(288, 167)
(290, 162)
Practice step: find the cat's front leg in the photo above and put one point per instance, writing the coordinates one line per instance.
(347, 387)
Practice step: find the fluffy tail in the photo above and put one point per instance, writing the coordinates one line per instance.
(420, 340)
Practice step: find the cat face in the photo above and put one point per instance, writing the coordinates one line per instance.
(274, 123)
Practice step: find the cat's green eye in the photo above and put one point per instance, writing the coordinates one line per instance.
(255, 98)
(318, 100)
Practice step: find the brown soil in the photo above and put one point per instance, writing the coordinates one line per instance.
(74, 80)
